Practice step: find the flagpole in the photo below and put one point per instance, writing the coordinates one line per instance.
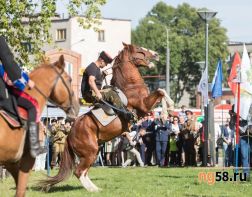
(237, 122)
(223, 151)
(47, 143)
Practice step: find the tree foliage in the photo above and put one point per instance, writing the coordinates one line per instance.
(186, 43)
(26, 23)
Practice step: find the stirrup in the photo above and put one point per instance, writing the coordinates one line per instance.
(127, 115)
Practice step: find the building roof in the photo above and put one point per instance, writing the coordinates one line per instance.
(60, 19)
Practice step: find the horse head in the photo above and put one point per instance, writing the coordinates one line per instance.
(62, 93)
(57, 87)
(125, 67)
(141, 56)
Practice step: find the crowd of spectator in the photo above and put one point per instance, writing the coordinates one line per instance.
(175, 141)
(53, 132)
(156, 140)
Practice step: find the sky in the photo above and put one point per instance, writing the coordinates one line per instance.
(235, 15)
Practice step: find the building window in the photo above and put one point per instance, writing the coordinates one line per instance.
(69, 69)
(101, 36)
(61, 35)
(192, 101)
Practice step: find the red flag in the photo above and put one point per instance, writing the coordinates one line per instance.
(233, 73)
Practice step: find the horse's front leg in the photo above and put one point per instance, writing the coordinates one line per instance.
(26, 165)
(151, 100)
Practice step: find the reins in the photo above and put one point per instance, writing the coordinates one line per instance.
(59, 76)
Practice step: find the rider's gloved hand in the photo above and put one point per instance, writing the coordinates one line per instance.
(99, 96)
(31, 84)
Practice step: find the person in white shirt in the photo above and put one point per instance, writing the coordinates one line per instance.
(132, 152)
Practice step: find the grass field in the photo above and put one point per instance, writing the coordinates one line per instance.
(134, 182)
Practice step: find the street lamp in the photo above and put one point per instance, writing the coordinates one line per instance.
(206, 16)
(167, 68)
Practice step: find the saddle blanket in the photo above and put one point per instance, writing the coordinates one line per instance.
(12, 120)
(102, 117)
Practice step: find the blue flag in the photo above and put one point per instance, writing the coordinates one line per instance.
(217, 81)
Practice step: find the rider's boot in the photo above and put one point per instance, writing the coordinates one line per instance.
(112, 97)
(35, 148)
(123, 110)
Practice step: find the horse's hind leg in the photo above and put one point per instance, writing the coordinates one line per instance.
(13, 169)
(87, 183)
(81, 172)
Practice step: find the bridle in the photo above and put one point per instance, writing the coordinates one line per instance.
(132, 59)
(59, 76)
(140, 55)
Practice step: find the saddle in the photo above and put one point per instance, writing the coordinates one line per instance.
(14, 116)
(105, 113)
(15, 121)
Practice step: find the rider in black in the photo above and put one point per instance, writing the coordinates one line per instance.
(92, 82)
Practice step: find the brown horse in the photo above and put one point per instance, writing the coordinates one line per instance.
(52, 83)
(87, 132)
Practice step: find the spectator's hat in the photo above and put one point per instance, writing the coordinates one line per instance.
(67, 121)
(54, 120)
(106, 57)
(188, 112)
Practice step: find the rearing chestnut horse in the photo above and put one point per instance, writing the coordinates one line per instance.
(52, 83)
(87, 132)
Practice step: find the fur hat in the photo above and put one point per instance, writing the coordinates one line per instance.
(106, 57)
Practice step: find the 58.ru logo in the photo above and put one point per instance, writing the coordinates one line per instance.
(211, 177)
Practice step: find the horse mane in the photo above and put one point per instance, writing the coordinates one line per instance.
(118, 80)
(116, 71)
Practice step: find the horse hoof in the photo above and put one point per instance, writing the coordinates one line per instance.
(45, 188)
(93, 190)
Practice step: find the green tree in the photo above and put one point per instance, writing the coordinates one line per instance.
(186, 43)
(26, 23)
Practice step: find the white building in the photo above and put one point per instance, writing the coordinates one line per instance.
(80, 47)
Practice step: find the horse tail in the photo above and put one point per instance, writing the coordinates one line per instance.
(65, 170)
